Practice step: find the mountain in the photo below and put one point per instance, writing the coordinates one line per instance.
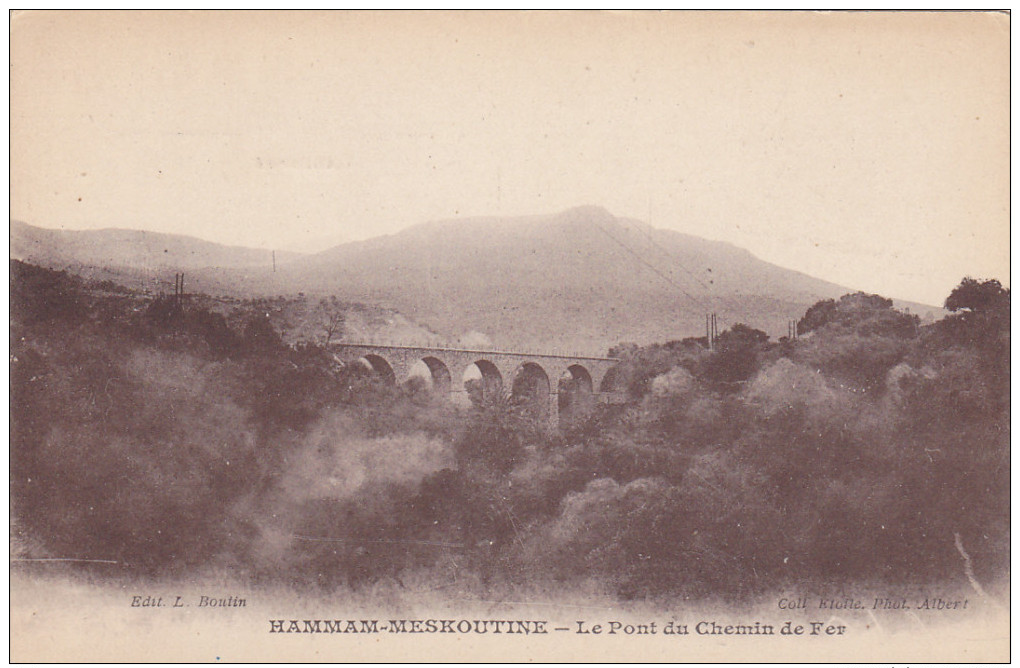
(306, 245)
(578, 281)
(134, 249)
(581, 280)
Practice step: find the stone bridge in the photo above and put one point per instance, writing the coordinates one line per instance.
(561, 388)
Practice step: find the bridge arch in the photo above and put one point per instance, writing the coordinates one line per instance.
(580, 376)
(531, 389)
(613, 380)
(475, 373)
(441, 380)
(380, 367)
(434, 372)
(482, 381)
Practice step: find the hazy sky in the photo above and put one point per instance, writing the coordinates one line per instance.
(868, 149)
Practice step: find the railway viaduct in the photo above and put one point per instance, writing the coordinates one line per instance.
(556, 387)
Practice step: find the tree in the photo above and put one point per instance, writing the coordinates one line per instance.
(736, 356)
(860, 312)
(863, 302)
(259, 333)
(740, 334)
(335, 317)
(980, 318)
(819, 315)
(978, 296)
(495, 436)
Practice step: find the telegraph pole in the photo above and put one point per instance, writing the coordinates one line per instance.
(711, 329)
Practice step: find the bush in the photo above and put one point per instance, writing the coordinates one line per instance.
(141, 459)
(42, 296)
(736, 357)
(177, 439)
(859, 313)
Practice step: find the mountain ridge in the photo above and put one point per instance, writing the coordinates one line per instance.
(133, 248)
(581, 279)
(582, 276)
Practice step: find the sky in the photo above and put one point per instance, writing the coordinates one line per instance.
(869, 149)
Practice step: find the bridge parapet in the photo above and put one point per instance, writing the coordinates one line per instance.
(453, 348)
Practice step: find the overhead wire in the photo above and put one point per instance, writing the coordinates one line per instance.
(659, 273)
(672, 256)
(652, 241)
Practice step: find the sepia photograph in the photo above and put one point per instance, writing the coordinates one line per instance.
(526, 336)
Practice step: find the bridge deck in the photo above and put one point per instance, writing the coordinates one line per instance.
(475, 351)
(449, 366)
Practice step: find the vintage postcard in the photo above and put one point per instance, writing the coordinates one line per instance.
(519, 336)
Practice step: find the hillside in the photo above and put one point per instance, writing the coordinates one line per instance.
(183, 443)
(133, 249)
(581, 280)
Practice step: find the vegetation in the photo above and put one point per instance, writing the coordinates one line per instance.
(173, 437)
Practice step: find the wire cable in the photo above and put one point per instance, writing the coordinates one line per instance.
(672, 256)
(656, 270)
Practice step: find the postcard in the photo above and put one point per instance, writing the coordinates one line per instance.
(645, 336)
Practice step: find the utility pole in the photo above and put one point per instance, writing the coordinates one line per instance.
(179, 291)
(711, 329)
